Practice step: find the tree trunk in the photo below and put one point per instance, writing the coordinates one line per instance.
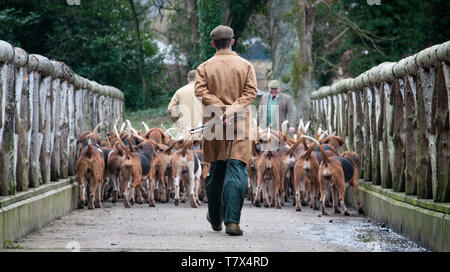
(304, 91)
(292, 23)
(140, 48)
(193, 22)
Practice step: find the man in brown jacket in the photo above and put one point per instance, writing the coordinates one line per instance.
(226, 84)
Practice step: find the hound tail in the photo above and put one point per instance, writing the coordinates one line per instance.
(325, 158)
(89, 149)
(186, 146)
(308, 150)
(124, 147)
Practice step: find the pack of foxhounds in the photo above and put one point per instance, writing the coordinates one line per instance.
(152, 166)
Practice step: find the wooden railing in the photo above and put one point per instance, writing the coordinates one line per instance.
(45, 106)
(396, 117)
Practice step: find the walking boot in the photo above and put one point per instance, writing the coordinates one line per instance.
(215, 228)
(233, 229)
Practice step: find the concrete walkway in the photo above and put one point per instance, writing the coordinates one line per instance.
(170, 228)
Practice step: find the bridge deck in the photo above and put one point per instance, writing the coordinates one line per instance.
(170, 228)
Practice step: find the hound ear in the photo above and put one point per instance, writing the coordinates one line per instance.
(162, 147)
(307, 126)
(256, 146)
(169, 149)
(340, 140)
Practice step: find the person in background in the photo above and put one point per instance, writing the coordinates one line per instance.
(185, 108)
(275, 107)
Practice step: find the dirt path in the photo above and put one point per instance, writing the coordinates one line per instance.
(170, 228)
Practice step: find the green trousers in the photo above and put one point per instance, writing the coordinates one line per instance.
(226, 186)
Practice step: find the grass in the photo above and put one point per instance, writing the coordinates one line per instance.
(9, 244)
(156, 117)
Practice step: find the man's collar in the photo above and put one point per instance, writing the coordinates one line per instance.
(270, 95)
(225, 52)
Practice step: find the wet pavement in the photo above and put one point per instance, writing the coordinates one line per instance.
(170, 228)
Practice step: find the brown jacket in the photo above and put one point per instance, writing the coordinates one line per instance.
(286, 111)
(228, 82)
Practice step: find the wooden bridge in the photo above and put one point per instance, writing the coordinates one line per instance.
(396, 116)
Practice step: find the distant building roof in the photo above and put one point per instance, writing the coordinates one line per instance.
(256, 50)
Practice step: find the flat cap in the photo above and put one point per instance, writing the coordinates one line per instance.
(274, 84)
(222, 32)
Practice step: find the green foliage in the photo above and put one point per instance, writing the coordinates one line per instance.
(209, 16)
(241, 12)
(179, 35)
(96, 39)
(9, 244)
(374, 34)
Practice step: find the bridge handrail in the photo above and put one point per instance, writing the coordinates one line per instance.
(396, 117)
(45, 106)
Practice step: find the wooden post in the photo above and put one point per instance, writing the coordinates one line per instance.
(335, 120)
(410, 144)
(366, 134)
(64, 121)
(372, 101)
(45, 68)
(350, 120)
(71, 140)
(57, 75)
(398, 182)
(441, 192)
(377, 133)
(330, 114)
(36, 136)
(359, 139)
(385, 125)
(323, 119)
(423, 156)
(7, 148)
(22, 119)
